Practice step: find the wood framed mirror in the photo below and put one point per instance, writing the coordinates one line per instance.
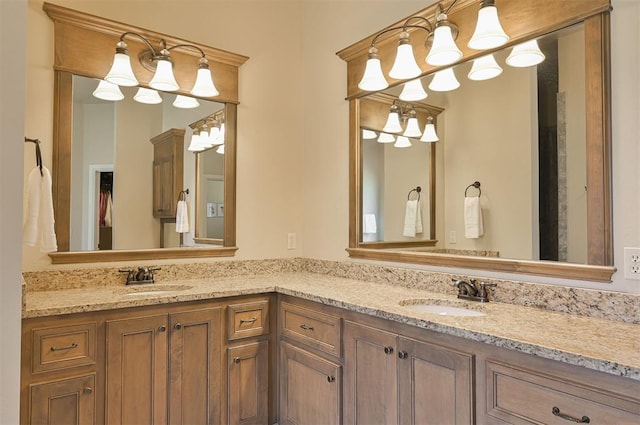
(522, 21)
(84, 48)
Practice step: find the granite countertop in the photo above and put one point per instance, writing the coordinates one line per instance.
(599, 344)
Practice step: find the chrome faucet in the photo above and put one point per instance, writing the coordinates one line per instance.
(142, 275)
(472, 290)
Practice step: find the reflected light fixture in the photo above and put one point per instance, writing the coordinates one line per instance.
(484, 68)
(444, 80)
(525, 54)
(148, 96)
(413, 129)
(405, 65)
(402, 142)
(386, 138)
(368, 134)
(413, 91)
(393, 121)
(220, 150)
(488, 33)
(429, 134)
(185, 102)
(108, 91)
(159, 61)
(195, 145)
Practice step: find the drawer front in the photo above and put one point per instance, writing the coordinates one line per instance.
(318, 330)
(63, 347)
(248, 319)
(520, 396)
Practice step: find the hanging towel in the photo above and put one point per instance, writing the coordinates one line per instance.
(472, 218)
(108, 210)
(369, 225)
(182, 217)
(38, 228)
(412, 219)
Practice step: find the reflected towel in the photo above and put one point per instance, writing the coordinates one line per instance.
(473, 228)
(369, 225)
(38, 228)
(108, 210)
(412, 219)
(182, 217)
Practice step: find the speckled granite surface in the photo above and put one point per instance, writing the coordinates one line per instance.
(604, 345)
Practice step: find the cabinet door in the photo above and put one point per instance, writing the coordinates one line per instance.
(194, 367)
(67, 401)
(247, 368)
(435, 384)
(301, 371)
(371, 389)
(137, 370)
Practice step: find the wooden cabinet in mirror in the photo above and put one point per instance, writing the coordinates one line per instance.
(124, 155)
(537, 137)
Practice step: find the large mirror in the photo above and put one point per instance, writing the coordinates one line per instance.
(128, 181)
(520, 143)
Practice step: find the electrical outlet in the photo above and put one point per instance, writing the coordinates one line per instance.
(632, 263)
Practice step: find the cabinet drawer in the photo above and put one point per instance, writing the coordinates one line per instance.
(518, 396)
(248, 319)
(63, 347)
(316, 329)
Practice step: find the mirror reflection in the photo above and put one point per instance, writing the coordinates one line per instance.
(131, 164)
(517, 129)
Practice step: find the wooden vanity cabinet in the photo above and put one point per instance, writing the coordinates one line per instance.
(168, 164)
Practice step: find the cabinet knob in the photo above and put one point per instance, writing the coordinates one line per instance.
(236, 360)
(87, 391)
(403, 354)
(331, 379)
(388, 350)
(162, 328)
(177, 326)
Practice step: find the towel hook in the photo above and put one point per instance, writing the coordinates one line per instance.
(38, 152)
(475, 184)
(417, 190)
(183, 195)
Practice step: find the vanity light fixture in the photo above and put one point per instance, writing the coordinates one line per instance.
(148, 96)
(108, 91)
(525, 54)
(121, 72)
(413, 129)
(441, 34)
(386, 138)
(429, 134)
(393, 121)
(488, 33)
(413, 91)
(207, 132)
(444, 80)
(484, 68)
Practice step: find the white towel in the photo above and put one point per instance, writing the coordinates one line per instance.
(473, 228)
(369, 225)
(108, 210)
(412, 219)
(182, 217)
(38, 228)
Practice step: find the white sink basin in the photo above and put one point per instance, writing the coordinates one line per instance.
(443, 307)
(153, 289)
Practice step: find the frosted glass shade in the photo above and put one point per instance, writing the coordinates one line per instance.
(393, 123)
(185, 102)
(108, 91)
(163, 79)
(525, 54)
(220, 150)
(368, 134)
(386, 138)
(204, 87)
(444, 50)
(148, 96)
(484, 68)
(429, 134)
(413, 91)
(195, 145)
(413, 129)
(121, 72)
(221, 135)
(402, 142)
(444, 80)
(405, 66)
(373, 78)
(488, 33)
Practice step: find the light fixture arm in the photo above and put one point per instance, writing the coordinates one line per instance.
(122, 37)
(189, 46)
(403, 28)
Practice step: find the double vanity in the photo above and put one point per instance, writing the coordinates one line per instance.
(307, 341)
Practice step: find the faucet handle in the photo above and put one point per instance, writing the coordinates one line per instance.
(482, 291)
